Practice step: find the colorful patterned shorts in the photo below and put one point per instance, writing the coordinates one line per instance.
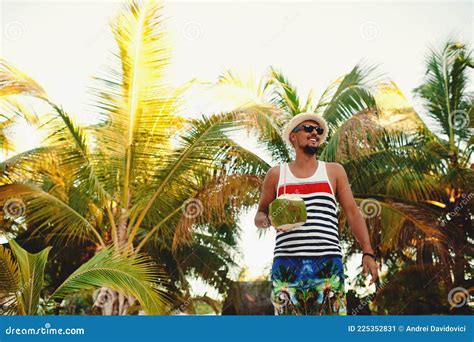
(308, 286)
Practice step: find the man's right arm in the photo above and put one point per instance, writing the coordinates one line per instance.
(267, 196)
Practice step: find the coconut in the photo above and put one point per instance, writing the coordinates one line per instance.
(287, 212)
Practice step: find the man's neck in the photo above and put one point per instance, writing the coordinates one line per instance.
(304, 160)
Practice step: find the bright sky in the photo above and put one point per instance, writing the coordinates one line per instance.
(61, 44)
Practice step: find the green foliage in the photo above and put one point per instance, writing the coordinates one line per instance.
(130, 275)
(23, 279)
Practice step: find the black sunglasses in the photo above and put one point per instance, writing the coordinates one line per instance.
(309, 129)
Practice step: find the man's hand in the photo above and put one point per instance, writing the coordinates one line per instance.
(269, 221)
(262, 220)
(370, 264)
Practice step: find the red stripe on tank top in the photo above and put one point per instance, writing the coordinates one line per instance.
(304, 189)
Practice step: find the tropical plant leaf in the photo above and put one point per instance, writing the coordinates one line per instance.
(14, 81)
(285, 95)
(204, 148)
(31, 277)
(348, 95)
(395, 224)
(130, 275)
(9, 282)
(137, 107)
(219, 202)
(444, 90)
(49, 214)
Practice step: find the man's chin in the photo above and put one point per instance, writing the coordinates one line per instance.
(311, 150)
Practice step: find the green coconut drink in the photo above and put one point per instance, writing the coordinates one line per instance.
(287, 212)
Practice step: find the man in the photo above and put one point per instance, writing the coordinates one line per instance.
(307, 272)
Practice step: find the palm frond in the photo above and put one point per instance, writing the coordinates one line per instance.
(395, 224)
(211, 255)
(49, 215)
(11, 107)
(259, 111)
(12, 111)
(24, 166)
(138, 109)
(31, 277)
(220, 201)
(130, 275)
(348, 96)
(354, 138)
(72, 148)
(255, 91)
(285, 95)
(387, 163)
(13, 81)
(266, 122)
(9, 282)
(204, 148)
(444, 88)
(209, 259)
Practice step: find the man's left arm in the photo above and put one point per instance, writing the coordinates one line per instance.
(355, 220)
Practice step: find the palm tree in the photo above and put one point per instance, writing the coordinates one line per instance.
(142, 176)
(424, 180)
(449, 104)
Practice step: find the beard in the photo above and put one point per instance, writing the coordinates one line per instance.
(311, 150)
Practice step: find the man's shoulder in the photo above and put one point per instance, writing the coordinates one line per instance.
(336, 167)
(273, 175)
(274, 171)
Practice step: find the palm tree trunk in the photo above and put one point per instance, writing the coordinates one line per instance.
(122, 228)
(123, 222)
(109, 301)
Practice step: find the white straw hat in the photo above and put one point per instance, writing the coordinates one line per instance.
(302, 117)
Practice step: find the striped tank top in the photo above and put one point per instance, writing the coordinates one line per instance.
(319, 235)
